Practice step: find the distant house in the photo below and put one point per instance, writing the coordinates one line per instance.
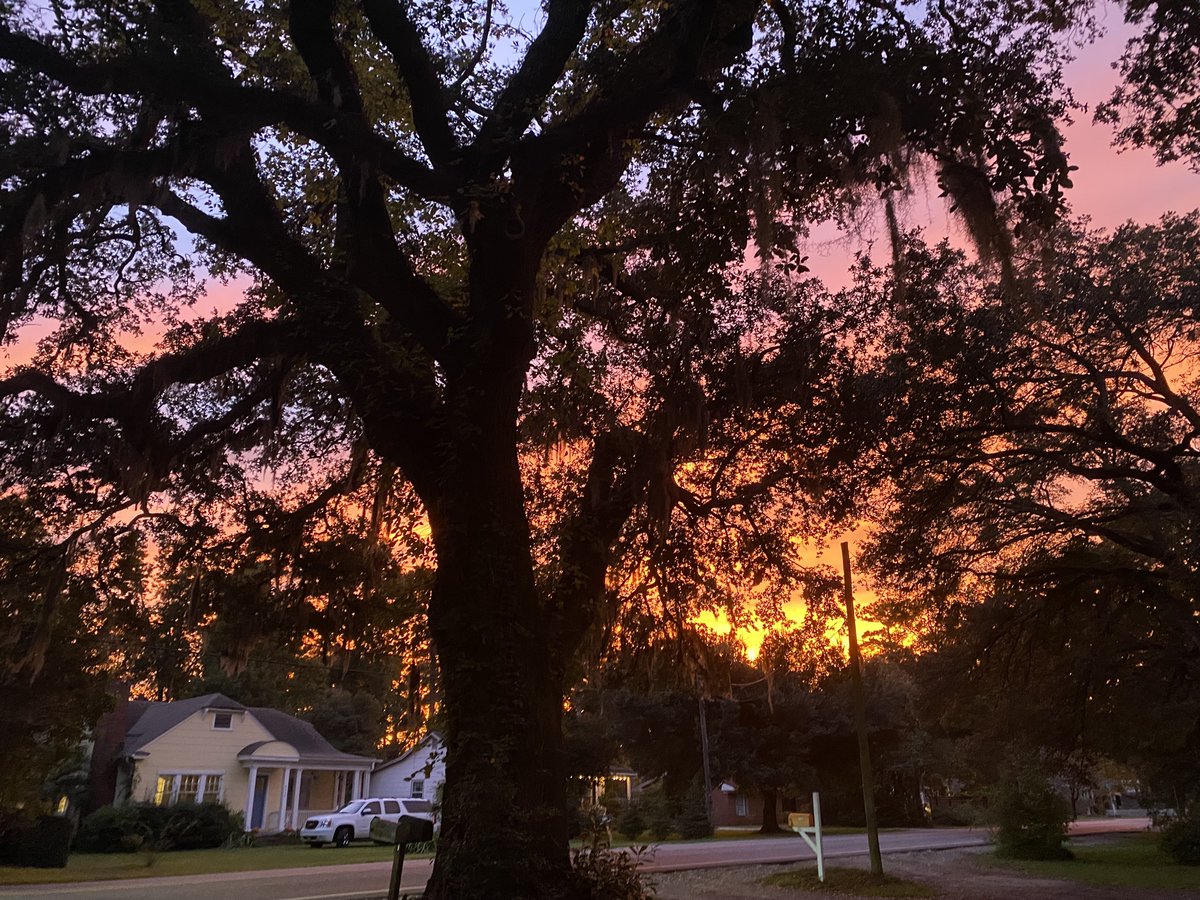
(616, 789)
(419, 773)
(273, 768)
(734, 806)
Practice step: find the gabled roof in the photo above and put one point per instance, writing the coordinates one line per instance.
(149, 720)
(432, 736)
(301, 735)
(152, 719)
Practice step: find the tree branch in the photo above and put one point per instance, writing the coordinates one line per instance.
(390, 22)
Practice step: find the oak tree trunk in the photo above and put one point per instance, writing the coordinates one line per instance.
(770, 816)
(504, 825)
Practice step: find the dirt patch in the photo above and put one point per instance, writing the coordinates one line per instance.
(954, 874)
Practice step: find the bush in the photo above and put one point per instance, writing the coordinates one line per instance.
(105, 829)
(631, 822)
(657, 812)
(958, 814)
(693, 820)
(1029, 816)
(186, 826)
(604, 874)
(1181, 840)
(49, 843)
(42, 843)
(13, 823)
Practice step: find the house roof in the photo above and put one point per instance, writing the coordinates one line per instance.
(432, 736)
(149, 720)
(152, 719)
(300, 734)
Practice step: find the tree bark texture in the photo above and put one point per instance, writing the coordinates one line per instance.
(770, 817)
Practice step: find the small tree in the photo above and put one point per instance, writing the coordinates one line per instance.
(1029, 815)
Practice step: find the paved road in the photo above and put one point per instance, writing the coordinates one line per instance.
(369, 880)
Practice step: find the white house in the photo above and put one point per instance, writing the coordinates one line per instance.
(420, 772)
(272, 767)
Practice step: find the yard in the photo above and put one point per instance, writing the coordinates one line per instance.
(110, 866)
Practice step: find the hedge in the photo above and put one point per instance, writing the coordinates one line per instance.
(41, 843)
(185, 826)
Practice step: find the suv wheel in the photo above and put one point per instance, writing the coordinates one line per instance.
(343, 836)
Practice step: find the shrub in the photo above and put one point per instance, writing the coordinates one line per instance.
(1029, 816)
(657, 813)
(13, 823)
(959, 814)
(631, 822)
(42, 843)
(105, 829)
(1181, 840)
(186, 826)
(693, 819)
(592, 822)
(604, 874)
(48, 843)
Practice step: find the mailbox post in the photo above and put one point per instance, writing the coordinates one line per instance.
(809, 828)
(408, 830)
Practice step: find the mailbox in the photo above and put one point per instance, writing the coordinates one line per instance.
(408, 830)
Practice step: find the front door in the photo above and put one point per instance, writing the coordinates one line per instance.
(260, 801)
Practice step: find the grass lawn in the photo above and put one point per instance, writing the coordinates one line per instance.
(1132, 861)
(108, 866)
(855, 882)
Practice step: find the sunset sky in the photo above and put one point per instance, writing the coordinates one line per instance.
(1110, 186)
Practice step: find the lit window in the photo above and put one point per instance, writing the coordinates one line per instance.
(177, 788)
(223, 721)
(164, 790)
(418, 788)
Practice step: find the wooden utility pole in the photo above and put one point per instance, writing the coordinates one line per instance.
(708, 788)
(860, 719)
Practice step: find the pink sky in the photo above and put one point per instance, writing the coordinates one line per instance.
(1110, 186)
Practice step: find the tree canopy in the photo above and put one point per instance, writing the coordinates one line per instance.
(460, 246)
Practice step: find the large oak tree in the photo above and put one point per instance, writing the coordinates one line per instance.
(415, 195)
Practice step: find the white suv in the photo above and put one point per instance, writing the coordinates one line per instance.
(353, 821)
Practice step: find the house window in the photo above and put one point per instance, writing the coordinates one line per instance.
(189, 789)
(223, 721)
(172, 788)
(741, 805)
(418, 788)
(164, 790)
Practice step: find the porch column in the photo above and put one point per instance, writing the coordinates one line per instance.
(249, 811)
(283, 786)
(297, 775)
(366, 783)
(360, 785)
(339, 792)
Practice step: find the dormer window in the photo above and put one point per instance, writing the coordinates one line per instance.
(223, 721)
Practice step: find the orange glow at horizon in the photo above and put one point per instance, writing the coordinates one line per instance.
(752, 637)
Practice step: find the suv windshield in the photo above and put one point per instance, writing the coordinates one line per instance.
(352, 807)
